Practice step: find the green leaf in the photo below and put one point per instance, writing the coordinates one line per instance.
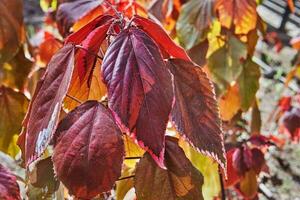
(13, 107)
(194, 19)
(208, 168)
(248, 83)
(225, 64)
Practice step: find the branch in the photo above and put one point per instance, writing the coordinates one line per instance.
(132, 158)
(222, 185)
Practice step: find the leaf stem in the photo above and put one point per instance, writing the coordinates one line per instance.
(125, 177)
(132, 158)
(223, 197)
(90, 52)
(74, 98)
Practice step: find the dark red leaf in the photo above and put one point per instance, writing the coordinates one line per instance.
(9, 188)
(181, 180)
(68, 13)
(260, 140)
(195, 112)
(238, 161)
(43, 113)
(291, 122)
(139, 89)
(258, 160)
(161, 38)
(89, 150)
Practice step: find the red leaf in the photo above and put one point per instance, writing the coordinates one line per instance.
(161, 38)
(9, 188)
(68, 13)
(285, 103)
(139, 89)
(89, 150)
(260, 140)
(181, 180)
(195, 112)
(43, 113)
(85, 58)
(238, 161)
(82, 34)
(232, 175)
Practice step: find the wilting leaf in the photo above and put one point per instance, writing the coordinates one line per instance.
(43, 176)
(229, 103)
(248, 185)
(9, 188)
(14, 73)
(248, 83)
(195, 112)
(68, 13)
(90, 88)
(139, 89)
(208, 168)
(13, 107)
(194, 19)
(238, 13)
(161, 38)
(88, 151)
(11, 28)
(43, 113)
(180, 181)
(225, 64)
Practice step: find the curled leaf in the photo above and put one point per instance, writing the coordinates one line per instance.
(9, 188)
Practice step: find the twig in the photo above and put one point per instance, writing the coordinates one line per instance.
(74, 98)
(132, 158)
(125, 177)
(222, 185)
(90, 52)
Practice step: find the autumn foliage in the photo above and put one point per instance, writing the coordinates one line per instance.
(133, 94)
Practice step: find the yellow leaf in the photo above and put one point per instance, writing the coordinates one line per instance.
(229, 103)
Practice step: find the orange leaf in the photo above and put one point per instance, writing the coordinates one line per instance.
(238, 13)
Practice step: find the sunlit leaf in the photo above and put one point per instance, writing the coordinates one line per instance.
(160, 36)
(232, 175)
(11, 28)
(229, 103)
(225, 64)
(248, 185)
(14, 73)
(122, 187)
(194, 19)
(208, 168)
(43, 113)
(88, 151)
(240, 14)
(48, 47)
(140, 90)
(13, 107)
(248, 83)
(181, 180)
(195, 112)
